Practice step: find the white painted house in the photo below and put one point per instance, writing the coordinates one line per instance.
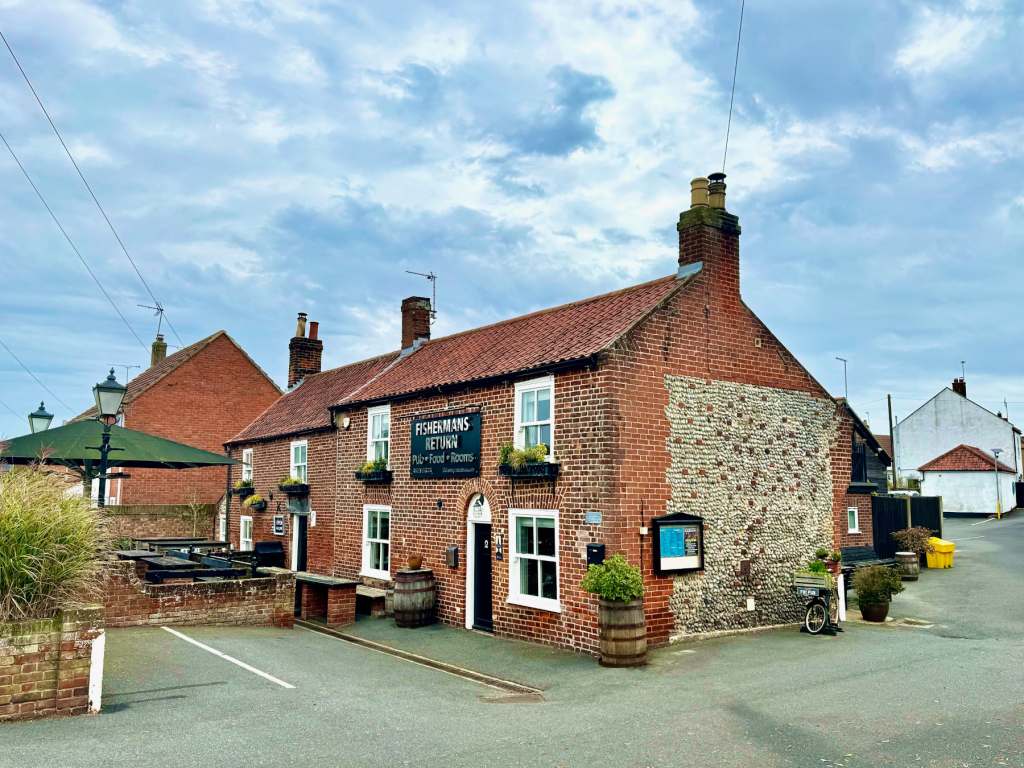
(967, 479)
(950, 420)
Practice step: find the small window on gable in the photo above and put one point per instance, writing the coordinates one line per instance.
(378, 433)
(852, 520)
(247, 464)
(535, 413)
(298, 462)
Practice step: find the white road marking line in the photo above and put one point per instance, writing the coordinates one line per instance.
(232, 659)
(969, 538)
(986, 520)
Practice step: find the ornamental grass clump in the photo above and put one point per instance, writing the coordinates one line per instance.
(49, 545)
(615, 580)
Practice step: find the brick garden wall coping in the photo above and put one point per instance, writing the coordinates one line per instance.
(45, 663)
(263, 601)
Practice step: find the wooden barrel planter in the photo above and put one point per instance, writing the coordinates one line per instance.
(623, 634)
(415, 598)
(910, 565)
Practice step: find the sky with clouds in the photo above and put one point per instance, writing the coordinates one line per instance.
(262, 158)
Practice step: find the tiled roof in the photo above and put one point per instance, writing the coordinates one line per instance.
(168, 365)
(963, 458)
(886, 442)
(306, 407)
(561, 334)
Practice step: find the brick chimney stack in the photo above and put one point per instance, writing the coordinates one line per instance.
(158, 351)
(711, 235)
(304, 353)
(960, 386)
(415, 321)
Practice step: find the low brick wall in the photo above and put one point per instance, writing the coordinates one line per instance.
(45, 663)
(159, 521)
(130, 602)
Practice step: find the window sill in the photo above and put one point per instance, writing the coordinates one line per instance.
(540, 603)
(854, 531)
(372, 574)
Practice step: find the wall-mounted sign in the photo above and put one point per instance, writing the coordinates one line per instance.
(279, 525)
(678, 543)
(593, 518)
(445, 446)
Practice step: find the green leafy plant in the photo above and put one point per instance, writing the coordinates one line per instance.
(241, 484)
(288, 480)
(914, 539)
(253, 500)
(123, 542)
(378, 465)
(48, 545)
(816, 567)
(836, 556)
(821, 553)
(876, 584)
(614, 579)
(518, 458)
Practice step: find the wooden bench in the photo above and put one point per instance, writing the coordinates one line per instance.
(326, 597)
(371, 601)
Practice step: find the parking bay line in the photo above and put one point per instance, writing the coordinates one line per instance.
(232, 659)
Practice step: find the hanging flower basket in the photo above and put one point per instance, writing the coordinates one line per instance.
(374, 476)
(294, 489)
(538, 469)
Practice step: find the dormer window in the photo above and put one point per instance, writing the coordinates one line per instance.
(535, 413)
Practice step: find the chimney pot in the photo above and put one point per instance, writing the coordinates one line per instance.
(314, 330)
(699, 192)
(300, 326)
(716, 190)
(960, 386)
(158, 351)
(415, 320)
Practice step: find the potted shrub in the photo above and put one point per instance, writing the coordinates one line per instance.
(875, 587)
(835, 561)
(293, 486)
(623, 631)
(526, 462)
(255, 502)
(374, 472)
(916, 544)
(243, 489)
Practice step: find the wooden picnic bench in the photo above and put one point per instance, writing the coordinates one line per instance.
(158, 576)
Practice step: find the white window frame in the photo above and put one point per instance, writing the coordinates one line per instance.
(519, 439)
(366, 570)
(856, 520)
(242, 520)
(515, 596)
(370, 442)
(247, 464)
(293, 467)
(222, 526)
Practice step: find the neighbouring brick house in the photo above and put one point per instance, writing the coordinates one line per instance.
(868, 466)
(664, 402)
(201, 395)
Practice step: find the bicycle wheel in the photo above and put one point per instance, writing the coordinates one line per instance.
(816, 617)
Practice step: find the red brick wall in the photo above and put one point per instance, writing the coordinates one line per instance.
(271, 462)
(129, 601)
(203, 403)
(152, 521)
(44, 664)
(842, 473)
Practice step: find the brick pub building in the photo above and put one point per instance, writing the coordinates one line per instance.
(663, 402)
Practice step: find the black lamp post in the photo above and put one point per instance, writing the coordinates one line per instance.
(109, 396)
(39, 420)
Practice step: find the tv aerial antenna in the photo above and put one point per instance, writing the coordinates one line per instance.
(433, 290)
(127, 368)
(158, 311)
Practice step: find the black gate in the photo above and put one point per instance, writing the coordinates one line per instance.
(888, 514)
(1020, 495)
(927, 511)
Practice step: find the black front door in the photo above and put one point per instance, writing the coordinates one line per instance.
(482, 617)
(298, 555)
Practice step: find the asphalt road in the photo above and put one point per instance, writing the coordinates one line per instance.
(946, 691)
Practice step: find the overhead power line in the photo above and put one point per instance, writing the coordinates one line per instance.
(92, 194)
(71, 242)
(5, 405)
(34, 377)
(732, 94)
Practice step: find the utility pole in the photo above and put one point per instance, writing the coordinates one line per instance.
(892, 439)
(999, 495)
(846, 387)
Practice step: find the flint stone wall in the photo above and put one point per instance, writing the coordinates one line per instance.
(754, 463)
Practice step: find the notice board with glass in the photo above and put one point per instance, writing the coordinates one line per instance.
(678, 543)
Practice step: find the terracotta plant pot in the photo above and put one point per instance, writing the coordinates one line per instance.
(834, 566)
(414, 562)
(874, 611)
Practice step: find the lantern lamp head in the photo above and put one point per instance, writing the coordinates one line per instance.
(39, 420)
(109, 396)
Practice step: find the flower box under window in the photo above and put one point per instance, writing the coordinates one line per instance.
(294, 489)
(544, 470)
(243, 492)
(374, 476)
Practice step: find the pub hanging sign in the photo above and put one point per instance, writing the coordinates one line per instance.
(445, 446)
(678, 543)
